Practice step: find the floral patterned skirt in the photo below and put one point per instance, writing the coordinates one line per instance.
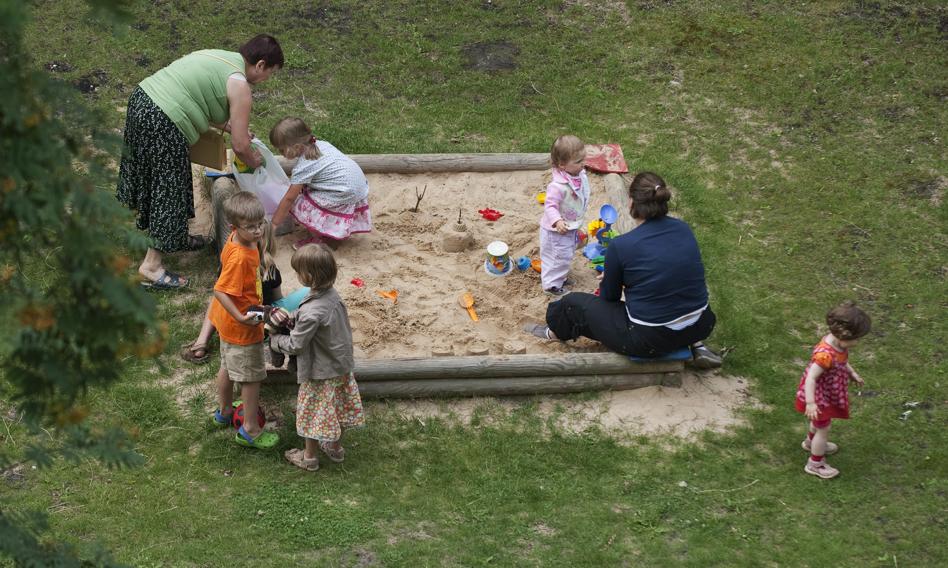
(324, 409)
(155, 174)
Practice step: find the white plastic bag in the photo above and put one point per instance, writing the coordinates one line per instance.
(268, 182)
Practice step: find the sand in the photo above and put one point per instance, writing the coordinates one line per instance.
(705, 402)
(406, 252)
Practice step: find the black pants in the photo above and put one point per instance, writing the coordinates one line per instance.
(580, 314)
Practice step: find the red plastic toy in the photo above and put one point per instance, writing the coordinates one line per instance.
(358, 282)
(490, 214)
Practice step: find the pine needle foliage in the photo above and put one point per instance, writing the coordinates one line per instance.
(73, 309)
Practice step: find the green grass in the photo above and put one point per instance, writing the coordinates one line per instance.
(805, 142)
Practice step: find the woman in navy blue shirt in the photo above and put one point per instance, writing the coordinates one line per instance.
(657, 266)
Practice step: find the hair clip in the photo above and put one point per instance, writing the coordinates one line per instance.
(657, 187)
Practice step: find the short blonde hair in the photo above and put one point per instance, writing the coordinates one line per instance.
(315, 265)
(243, 208)
(291, 132)
(565, 149)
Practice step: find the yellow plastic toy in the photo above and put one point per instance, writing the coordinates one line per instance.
(594, 226)
(541, 197)
(241, 167)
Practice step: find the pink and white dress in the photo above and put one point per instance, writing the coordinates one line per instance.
(334, 203)
(567, 198)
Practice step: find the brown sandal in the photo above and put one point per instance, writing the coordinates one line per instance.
(336, 455)
(298, 458)
(192, 353)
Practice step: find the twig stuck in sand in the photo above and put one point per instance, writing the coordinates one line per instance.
(419, 197)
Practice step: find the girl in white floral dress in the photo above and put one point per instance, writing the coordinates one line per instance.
(328, 193)
(328, 402)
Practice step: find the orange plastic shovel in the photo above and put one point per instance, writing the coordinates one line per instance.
(390, 294)
(466, 300)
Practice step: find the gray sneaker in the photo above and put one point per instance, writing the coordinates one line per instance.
(537, 330)
(556, 292)
(704, 358)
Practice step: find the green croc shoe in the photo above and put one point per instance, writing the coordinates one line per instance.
(263, 441)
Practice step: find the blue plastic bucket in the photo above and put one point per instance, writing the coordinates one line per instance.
(498, 259)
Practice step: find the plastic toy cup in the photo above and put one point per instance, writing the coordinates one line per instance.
(498, 260)
(608, 214)
(523, 263)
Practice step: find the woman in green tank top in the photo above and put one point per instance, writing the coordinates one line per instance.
(166, 114)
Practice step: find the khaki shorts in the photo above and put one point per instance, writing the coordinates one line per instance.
(243, 363)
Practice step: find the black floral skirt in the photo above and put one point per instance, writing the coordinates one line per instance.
(155, 174)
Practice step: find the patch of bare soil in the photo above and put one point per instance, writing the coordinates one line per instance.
(705, 401)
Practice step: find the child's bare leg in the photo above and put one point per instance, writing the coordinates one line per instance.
(310, 448)
(817, 465)
(207, 328)
(820, 437)
(225, 392)
(250, 394)
(831, 448)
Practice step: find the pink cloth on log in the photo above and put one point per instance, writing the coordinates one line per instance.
(605, 159)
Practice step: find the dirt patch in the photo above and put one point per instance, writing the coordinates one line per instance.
(931, 190)
(58, 67)
(90, 83)
(704, 402)
(336, 18)
(14, 475)
(884, 18)
(490, 56)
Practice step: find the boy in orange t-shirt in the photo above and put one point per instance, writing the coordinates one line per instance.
(241, 333)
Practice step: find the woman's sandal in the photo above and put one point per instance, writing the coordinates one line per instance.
(193, 353)
(298, 458)
(335, 455)
(168, 281)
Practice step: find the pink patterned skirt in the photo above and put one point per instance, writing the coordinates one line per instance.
(325, 409)
(331, 220)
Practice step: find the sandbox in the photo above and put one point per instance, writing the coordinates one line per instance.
(425, 343)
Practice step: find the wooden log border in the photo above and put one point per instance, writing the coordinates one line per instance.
(480, 366)
(504, 375)
(422, 163)
(509, 386)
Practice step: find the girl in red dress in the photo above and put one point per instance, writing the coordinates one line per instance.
(823, 393)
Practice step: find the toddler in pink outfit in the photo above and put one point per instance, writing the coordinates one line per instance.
(567, 198)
